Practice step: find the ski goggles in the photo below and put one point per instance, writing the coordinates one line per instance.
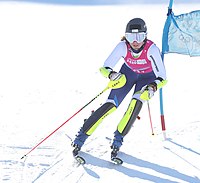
(138, 37)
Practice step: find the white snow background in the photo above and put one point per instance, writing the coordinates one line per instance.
(50, 56)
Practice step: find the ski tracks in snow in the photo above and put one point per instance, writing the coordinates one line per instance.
(56, 161)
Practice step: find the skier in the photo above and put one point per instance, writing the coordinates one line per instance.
(143, 69)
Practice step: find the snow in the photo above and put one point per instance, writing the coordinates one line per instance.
(50, 56)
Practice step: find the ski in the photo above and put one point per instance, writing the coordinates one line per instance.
(80, 159)
(114, 155)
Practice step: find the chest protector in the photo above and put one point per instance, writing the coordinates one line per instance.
(139, 64)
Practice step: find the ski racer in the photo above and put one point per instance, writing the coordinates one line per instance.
(143, 70)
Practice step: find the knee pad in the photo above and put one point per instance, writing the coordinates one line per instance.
(96, 118)
(129, 117)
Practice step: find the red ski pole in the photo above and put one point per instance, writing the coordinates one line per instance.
(152, 132)
(64, 122)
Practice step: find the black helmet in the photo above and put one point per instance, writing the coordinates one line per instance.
(136, 25)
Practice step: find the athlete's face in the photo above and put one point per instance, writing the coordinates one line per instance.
(136, 40)
(135, 45)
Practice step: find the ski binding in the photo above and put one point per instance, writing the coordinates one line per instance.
(80, 160)
(117, 161)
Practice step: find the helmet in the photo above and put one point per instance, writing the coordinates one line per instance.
(136, 25)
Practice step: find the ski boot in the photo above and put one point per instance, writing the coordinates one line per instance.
(114, 151)
(79, 141)
(114, 157)
(76, 149)
(80, 160)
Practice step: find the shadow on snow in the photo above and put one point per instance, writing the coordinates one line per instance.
(95, 161)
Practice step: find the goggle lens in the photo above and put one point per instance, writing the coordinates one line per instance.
(138, 37)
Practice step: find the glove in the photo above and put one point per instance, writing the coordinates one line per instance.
(147, 92)
(109, 73)
(114, 75)
(105, 71)
(117, 80)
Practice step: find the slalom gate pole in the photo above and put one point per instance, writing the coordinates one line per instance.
(164, 48)
(152, 132)
(65, 122)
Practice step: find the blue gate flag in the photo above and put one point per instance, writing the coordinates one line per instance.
(181, 34)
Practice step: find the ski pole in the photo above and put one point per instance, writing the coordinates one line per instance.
(152, 132)
(65, 122)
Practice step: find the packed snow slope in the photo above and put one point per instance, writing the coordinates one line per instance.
(50, 56)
